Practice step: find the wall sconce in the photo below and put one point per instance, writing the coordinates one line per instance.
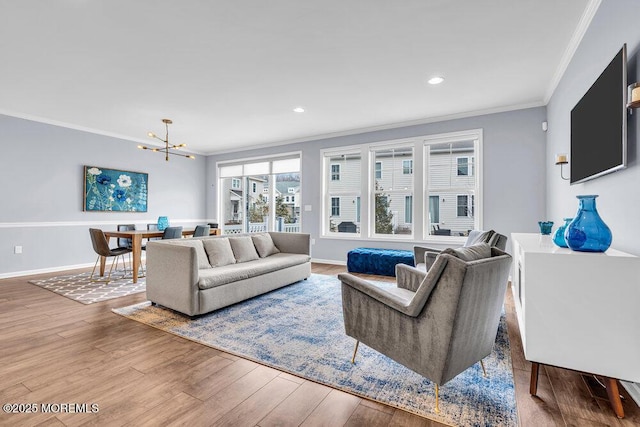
(561, 159)
(633, 96)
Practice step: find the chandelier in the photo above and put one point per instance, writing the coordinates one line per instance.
(167, 146)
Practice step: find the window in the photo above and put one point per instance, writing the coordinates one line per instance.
(408, 209)
(378, 170)
(451, 185)
(463, 205)
(244, 190)
(335, 172)
(335, 206)
(407, 167)
(417, 195)
(391, 190)
(338, 208)
(465, 166)
(434, 210)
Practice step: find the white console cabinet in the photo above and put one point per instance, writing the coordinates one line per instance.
(578, 310)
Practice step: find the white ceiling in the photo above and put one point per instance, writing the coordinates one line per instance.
(229, 73)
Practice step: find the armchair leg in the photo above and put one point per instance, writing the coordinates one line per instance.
(355, 350)
(484, 371)
(437, 399)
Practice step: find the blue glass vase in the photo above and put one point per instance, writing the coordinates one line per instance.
(587, 232)
(545, 227)
(163, 222)
(558, 236)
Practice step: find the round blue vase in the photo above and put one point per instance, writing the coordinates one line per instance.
(163, 222)
(558, 236)
(587, 232)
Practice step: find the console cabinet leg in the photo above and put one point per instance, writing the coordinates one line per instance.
(533, 385)
(614, 396)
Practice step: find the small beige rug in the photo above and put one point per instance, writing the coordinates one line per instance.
(79, 288)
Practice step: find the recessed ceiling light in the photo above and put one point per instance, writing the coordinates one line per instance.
(298, 110)
(436, 80)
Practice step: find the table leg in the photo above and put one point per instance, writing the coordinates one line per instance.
(136, 248)
(614, 396)
(533, 385)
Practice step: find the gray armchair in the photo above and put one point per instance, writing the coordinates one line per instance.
(424, 257)
(436, 323)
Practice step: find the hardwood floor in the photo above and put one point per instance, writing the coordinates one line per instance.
(56, 351)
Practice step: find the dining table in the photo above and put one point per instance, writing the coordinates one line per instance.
(136, 237)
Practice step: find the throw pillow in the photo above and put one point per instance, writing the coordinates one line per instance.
(470, 253)
(264, 244)
(201, 255)
(219, 251)
(243, 248)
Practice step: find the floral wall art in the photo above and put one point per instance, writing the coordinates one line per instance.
(114, 190)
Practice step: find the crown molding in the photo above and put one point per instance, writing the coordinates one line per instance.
(570, 50)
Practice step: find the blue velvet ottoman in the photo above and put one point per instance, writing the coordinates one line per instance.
(377, 261)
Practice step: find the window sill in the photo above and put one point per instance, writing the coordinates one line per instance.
(436, 240)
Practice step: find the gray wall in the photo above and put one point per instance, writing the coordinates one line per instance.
(42, 185)
(514, 166)
(614, 24)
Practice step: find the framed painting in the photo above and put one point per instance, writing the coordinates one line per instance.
(114, 190)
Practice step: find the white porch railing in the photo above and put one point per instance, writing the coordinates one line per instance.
(258, 227)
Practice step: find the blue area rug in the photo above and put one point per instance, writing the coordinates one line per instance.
(299, 329)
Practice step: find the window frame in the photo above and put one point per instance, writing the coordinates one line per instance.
(420, 198)
(335, 207)
(469, 165)
(394, 191)
(409, 168)
(277, 164)
(378, 170)
(408, 213)
(335, 175)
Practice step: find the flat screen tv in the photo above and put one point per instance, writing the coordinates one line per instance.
(599, 124)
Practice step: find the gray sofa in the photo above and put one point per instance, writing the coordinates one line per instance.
(198, 275)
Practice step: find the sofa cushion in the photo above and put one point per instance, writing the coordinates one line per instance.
(264, 244)
(470, 253)
(221, 276)
(243, 249)
(231, 273)
(201, 255)
(219, 251)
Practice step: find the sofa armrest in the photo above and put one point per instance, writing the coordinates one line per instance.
(419, 253)
(389, 298)
(172, 276)
(408, 277)
(292, 243)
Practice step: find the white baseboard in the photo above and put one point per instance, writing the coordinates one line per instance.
(44, 270)
(328, 261)
(76, 266)
(633, 389)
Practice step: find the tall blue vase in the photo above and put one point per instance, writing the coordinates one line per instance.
(588, 232)
(163, 222)
(558, 236)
